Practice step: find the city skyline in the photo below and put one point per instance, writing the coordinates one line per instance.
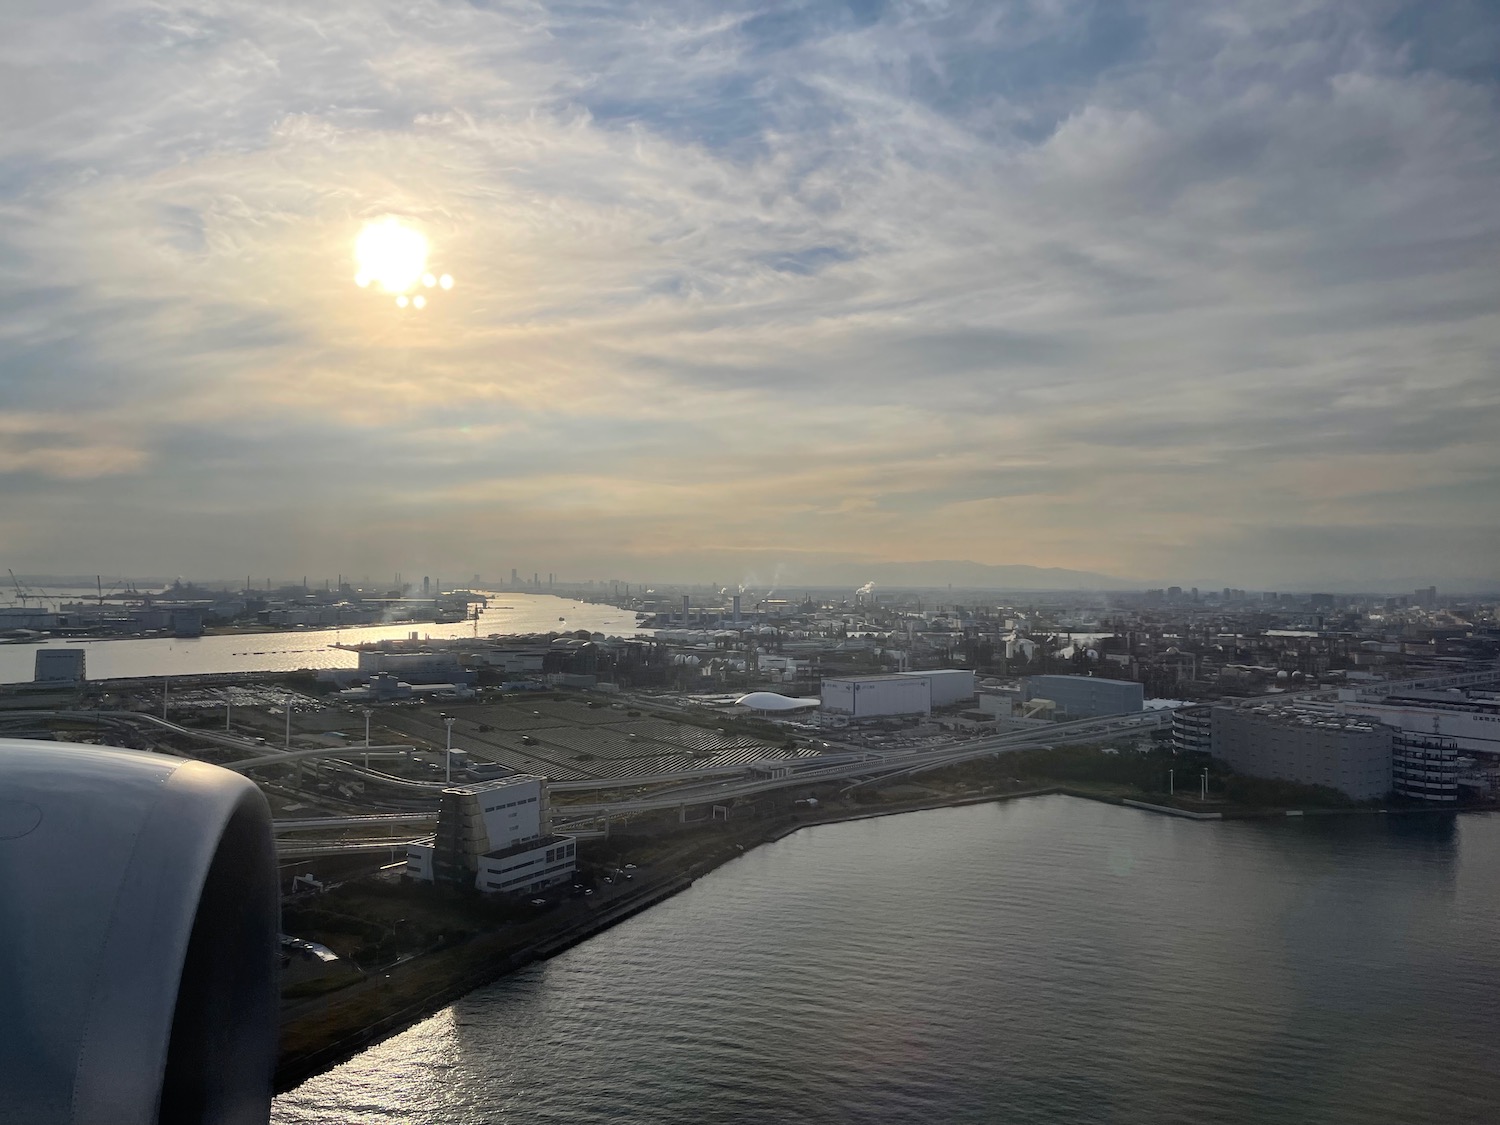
(1163, 292)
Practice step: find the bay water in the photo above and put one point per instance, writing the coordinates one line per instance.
(1041, 960)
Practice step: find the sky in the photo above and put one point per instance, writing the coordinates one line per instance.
(1196, 292)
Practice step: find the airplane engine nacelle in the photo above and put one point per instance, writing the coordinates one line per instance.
(138, 958)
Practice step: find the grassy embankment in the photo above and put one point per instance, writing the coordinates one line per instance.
(1115, 774)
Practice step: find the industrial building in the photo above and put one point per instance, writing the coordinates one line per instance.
(59, 666)
(871, 697)
(497, 835)
(1471, 722)
(424, 666)
(950, 686)
(1085, 697)
(897, 693)
(1309, 747)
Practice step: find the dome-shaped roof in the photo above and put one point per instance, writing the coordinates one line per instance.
(771, 701)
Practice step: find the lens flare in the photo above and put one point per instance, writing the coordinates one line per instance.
(391, 253)
(446, 281)
(420, 301)
(401, 301)
(362, 280)
(428, 280)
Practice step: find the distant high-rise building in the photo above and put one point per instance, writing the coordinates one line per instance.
(515, 579)
(426, 586)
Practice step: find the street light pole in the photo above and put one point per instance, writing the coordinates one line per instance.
(1171, 783)
(448, 721)
(1204, 797)
(368, 713)
(287, 707)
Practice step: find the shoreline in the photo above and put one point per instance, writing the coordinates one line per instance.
(490, 956)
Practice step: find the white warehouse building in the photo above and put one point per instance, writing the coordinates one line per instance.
(949, 685)
(497, 835)
(870, 697)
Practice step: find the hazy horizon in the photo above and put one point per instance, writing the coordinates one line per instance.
(931, 575)
(1167, 293)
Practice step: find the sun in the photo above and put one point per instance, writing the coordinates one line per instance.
(390, 254)
(393, 256)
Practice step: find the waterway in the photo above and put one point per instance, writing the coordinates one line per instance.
(507, 614)
(1038, 961)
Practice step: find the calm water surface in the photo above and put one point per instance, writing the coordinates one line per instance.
(309, 648)
(1047, 960)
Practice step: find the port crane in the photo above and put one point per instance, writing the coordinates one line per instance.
(22, 593)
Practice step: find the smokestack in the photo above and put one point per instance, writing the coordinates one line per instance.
(736, 607)
(685, 601)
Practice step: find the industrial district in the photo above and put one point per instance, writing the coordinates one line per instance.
(447, 808)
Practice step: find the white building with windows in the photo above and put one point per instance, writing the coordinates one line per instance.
(497, 835)
(1471, 722)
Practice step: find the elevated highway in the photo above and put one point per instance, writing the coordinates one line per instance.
(1080, 730)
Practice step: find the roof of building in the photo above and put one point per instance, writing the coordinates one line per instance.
(891, 677)
(772, 701)
(479, 787)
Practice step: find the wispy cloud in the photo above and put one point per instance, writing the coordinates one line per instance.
(1153, 288)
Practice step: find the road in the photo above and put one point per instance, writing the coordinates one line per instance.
(1080, 730)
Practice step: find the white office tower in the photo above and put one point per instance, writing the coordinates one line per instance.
(496, 834)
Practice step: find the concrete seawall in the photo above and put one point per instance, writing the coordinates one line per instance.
(1170, 811)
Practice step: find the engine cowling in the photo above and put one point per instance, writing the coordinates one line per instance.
(138, 958)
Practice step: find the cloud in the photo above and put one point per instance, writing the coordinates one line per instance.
(1000, 281)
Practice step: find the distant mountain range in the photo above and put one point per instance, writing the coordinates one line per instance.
(970, 575)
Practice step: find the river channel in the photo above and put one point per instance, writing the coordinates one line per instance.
(507, 614)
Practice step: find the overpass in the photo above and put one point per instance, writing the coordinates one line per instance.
(1078, 730)
(370, 820)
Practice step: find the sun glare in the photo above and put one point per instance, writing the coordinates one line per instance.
(392, 255)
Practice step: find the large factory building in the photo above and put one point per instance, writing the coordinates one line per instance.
(872, 697)
(1309, 747)
(949, 685)
(898, 693)
(1086, 697)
